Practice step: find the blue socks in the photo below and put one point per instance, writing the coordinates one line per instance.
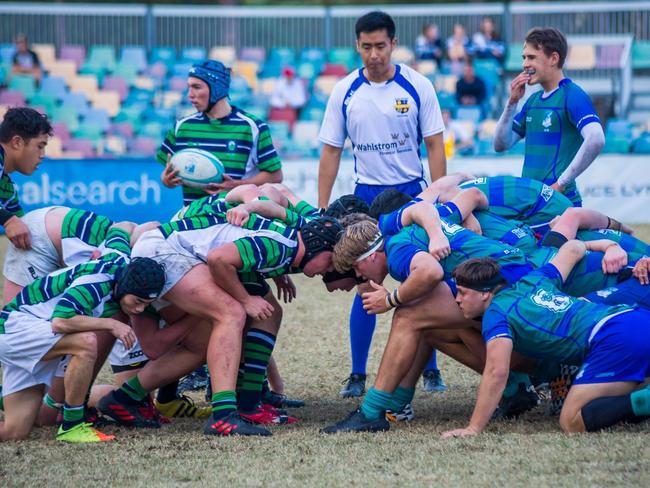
(362, 327)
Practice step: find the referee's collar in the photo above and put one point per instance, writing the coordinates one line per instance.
(366, 80)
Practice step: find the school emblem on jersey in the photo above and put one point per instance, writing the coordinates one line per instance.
(402, 105)
(555, 303)
(547, 122)
(232, 145)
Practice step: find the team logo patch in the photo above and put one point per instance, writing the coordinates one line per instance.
(547, 122)
(232, 145)
(402, 105)
(555, 303)
(546, 193)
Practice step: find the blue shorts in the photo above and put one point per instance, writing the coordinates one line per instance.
(628, 292)
(620, 350)
(368, 192)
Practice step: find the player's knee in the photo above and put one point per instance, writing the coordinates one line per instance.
(277, 314)
(86, 343)
(15, 431)
(232, 316)
(571, 421)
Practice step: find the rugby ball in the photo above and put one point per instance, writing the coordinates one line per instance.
(197, 167)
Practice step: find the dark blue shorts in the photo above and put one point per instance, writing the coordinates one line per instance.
(369, 192)
(619, 351)
(628, 292)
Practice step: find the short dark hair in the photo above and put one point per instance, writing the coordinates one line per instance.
(479, 274)
(24, 122)
(374, 21)
(388, 201)
(549, 40)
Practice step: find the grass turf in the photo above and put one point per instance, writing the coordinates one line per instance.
(313, 355)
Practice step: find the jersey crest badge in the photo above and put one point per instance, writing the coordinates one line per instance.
(547, 122)
(555, 303)
(232, 145)
(402, 105)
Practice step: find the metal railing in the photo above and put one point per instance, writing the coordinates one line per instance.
(298, 27)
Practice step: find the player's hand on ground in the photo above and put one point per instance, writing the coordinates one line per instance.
(286, 288)
(518, 87)
(238, 215)
(227, 184)
(640, 270)
(466, 432)
(615, 258)
(169, 177)
(18, 233)
(439, 246)
(472, 223)
(374, 301)
(124, 333)
(258, 308)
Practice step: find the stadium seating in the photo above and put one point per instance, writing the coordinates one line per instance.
(123, 100)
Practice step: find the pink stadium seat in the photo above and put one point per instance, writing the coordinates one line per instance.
(124, 129)
(73, 53)
(118, 84)
(143, 146)
(257, 54)
(12, 98)
(287, 115)
(84, 146)
(609, 56)
(157, 71)
(178, 83)
(331, 69)
(61, 130)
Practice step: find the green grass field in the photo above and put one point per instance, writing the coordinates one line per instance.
(313, 355)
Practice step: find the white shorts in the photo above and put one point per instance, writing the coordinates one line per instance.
(25, 341)
(24, 266)
(120, 356)
(176, 264)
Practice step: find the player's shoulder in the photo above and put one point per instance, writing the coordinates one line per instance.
(193, 117)
(413, 75)
(238, 113)
(570, 87)
(345, 84)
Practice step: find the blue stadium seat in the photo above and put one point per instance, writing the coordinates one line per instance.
(193, 55)
(134, 55)
(76, 101)
(473, 113)
(642, 144)
(7, 52)
(53, 85)
(98, 116)
(617, 128)
(163, 54)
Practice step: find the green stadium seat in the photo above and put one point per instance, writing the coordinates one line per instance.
(97, 70)
(129, 114)
(155, 130)
(617, 145)
(127, 71)
(641, 55)
(102, 55)
(46, 100)
(346, 56)
(513, 57)
(68, 116)
(24, 84)
(89, 131)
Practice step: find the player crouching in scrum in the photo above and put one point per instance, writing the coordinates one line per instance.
(533, 317)
(61, 315)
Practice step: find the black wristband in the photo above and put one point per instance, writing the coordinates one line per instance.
(553, 239)
(5, 215)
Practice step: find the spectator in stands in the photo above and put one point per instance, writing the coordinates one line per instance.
(486, 43)
(289, 91)
(456, 136)
(428, 45)
(25, 61)
(470, 89)
(458, 46)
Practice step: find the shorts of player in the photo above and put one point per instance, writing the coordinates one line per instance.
(24, 266)
(122, 359)
(255, 285)
(368, 192)
(25, 341)
(619, 350)
(628, 292)
(177, 264)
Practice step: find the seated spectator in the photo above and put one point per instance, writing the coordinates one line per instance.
(486, 42)
(428, 45)
(25, 61)
(456, 138)
(458, 46)
(470, 89)
(289, 91)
